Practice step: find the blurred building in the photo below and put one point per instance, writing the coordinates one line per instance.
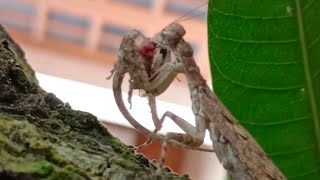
(78, 41)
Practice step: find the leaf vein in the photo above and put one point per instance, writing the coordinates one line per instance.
(312, 171)
(250, 17)
(307, 71)
(294, 120)
(316, 74)
(252, 41)
(265, 63)
(254, 87)
(307, 6)
(295, 151)
(315, 41)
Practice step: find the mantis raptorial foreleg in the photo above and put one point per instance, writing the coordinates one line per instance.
(159, 82)
(162, 78)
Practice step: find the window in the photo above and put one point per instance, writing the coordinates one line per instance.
(181, 7)
(142, 3)
(17, 15)
(111, 37)
(67, 27)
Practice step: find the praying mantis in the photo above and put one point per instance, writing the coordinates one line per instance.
(235, 148)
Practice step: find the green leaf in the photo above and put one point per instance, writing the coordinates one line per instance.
(265, 60)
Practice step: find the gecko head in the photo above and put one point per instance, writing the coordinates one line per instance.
(170, 35)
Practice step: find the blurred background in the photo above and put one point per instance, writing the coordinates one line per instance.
(72, 45)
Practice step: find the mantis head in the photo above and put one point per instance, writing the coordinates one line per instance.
(170, 35)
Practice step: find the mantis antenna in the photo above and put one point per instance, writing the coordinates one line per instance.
(190, 12)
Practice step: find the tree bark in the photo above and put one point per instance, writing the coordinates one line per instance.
(43, 138)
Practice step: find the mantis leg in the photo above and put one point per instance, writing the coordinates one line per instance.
(194, 135)
(196, 132)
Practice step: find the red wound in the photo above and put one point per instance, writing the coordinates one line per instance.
(148, 50)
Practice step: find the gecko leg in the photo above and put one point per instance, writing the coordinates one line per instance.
(156, 121)
(111, 74)
(130, 93)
